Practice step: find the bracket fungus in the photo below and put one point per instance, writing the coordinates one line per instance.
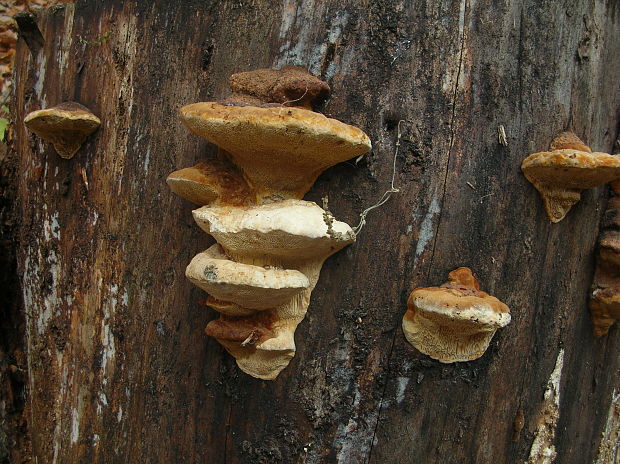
(66, 126)
(453, 322)
(605, 298)
(271, 245)
(209, 182)
(280, 150)
(568, 168)
(291, 86)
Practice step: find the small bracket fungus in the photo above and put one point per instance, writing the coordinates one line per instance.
(209, 182)
(66, 126)
(290, 86)
(271, 245)
(562, 173)
(453, 322)
(605, 298)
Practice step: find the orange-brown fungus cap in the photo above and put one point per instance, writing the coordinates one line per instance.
(562, 173)
(568, 141)
(281, 151)
(66, 126)
(267, 129)
(463, 279)
(251, 330)
(290, 86)
(454, 322)
(211, 182)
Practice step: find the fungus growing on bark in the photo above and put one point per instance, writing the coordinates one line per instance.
(287, 243)
(562, 173)
(605, 308)
(281, 151)
(66, 126)
(271, 245)
(289, 231)
(453, 322)
(605, 298)
(290, 86)
(247, 285)
(208, 182)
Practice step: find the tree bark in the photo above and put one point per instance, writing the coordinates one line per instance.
(119, 369)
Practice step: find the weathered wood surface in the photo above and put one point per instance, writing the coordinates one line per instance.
(119, 367)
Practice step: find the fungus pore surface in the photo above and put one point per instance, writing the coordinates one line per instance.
(271, 245)
(453, 322)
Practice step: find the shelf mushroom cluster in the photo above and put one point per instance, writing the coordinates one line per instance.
(271, 245)
(605, 298)
(560, 175)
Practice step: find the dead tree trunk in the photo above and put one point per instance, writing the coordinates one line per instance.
(119, 369)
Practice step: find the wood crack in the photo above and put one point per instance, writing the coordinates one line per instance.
(465, 8)
(387, 377)
(227, 430)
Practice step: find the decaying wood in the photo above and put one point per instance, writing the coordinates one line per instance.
(119, 367)
(14, 438)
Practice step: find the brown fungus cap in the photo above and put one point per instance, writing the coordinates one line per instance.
(453, 322)
(568, 141)
(562, 173)
(290, 86)
(66, 126)
(249, 330)
(211, 182)
(281, 151)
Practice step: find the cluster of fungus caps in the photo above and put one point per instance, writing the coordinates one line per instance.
(560, 175)
(271, 245)
(456, 321)
(605, 298)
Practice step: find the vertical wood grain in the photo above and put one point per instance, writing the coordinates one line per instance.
(119, 367)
